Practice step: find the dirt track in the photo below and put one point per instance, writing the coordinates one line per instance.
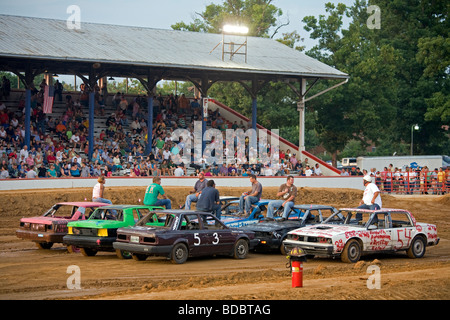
(29, 273)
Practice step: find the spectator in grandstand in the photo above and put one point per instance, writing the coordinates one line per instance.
(371, 198)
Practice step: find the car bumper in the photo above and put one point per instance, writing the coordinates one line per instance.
(37, 236)
(325, 250)
(267, 244)
(99, 243)
(143, 249)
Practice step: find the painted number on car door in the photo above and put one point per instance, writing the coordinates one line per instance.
(198, 241)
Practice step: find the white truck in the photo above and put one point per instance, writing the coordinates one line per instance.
(432, 162)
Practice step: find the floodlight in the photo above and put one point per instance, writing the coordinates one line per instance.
(235, 29)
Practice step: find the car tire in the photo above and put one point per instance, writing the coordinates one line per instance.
(417, 248)
(123, 254)
(179, 253)
(240, 250)
(351, 252)
(44, 245)
(139, 257)
(87, 252)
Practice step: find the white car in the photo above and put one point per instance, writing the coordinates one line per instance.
(352, 232)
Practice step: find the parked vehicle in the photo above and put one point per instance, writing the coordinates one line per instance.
(271, 234)
(233, 219)
(186, 233)
(51, 227)
(351, 232)
(99, 232)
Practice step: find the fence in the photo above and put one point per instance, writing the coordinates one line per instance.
(422, 182)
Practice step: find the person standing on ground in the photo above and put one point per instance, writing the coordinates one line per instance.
(248, 198)
(210, 200)
(371, 198)
(97, 192)
(152, 192)
(288, 192)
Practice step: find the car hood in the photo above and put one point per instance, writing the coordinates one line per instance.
(273, 225)
(325, 230)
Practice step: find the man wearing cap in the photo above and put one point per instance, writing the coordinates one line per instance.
(371, 198)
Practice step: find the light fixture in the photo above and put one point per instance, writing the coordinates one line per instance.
(231, 29)
(413, 127)
(55, 75)
(111, 78)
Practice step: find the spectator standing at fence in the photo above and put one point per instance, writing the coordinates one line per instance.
(371, 198)
(152, 193)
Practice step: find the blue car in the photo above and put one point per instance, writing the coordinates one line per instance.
(231, 218)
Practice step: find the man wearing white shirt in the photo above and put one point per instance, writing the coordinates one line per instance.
(179, 171)
(371, 198)
(308, 171)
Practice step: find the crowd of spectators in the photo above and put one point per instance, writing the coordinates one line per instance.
(59, 141)
(409, 180)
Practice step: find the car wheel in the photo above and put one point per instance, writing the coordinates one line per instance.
(139, 257)
(283, 250)
(123, 254)
(44, 245)
(351, 252)
(179, 253)
(240, 249)
(73, 249)
(417, 248)
(88, 252)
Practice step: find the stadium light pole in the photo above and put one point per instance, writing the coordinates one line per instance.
(413, 127)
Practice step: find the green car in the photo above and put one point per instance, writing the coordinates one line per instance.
(99, 232)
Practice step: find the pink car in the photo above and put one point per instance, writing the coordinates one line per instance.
(51, 227)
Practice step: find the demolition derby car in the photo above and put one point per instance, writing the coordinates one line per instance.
(186, 233)
(272, 233)
(51, 227)
(233, 219)
(99, 232)
(352, 232)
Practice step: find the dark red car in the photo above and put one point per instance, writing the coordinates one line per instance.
(185, 233)
(51, 227)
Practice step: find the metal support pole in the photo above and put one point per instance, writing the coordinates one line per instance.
(27, 117)
(91, 123)
(150, 124)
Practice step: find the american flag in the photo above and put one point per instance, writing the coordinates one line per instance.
(49, 95)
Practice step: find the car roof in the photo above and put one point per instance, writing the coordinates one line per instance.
(312, 206)
(367, 210)
(134, 206)
(83, 204)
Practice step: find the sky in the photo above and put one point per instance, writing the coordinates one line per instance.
(156, 13)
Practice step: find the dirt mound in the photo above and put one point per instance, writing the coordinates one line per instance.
(34, 202)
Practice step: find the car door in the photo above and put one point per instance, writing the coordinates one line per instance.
(220, 238)
(380, 233)
(403, 230)
(198, 238)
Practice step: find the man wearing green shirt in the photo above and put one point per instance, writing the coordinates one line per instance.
(152, 192)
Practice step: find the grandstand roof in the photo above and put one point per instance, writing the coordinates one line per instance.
(129, 51)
